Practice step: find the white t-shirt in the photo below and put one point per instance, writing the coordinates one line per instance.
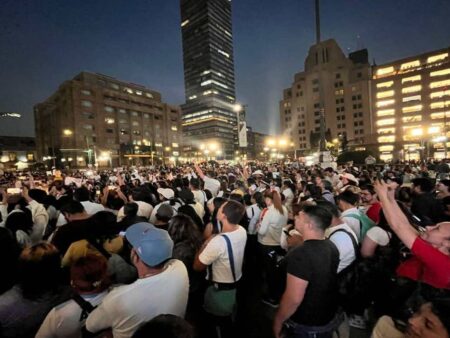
(378, 235)
(212, 185)
(127, 307)
(199, 196)
(216, 253)
(253, 213)
(144, 210)
(272, 224)
(91, 207)
(64, 320)
(343, 243)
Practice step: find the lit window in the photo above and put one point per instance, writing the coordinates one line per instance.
(386, 148)
(385, 112)
(440, 104)
(386, 139)
(384, 71)
(192, 97)
(411, 78)
(109, 120)
(387, 84)
(86, 92)
(411, 145)
(411, 89)
(385, 103)
(412, 64)
(207, 82)
(441, 72)
(386, 157)
(175, 145)
(382, 95)
(138, 92)
(440, 115)
(184, 23)
(159, 145)
(223, 53)
(86, 103)
(146, 116)
(128, 90)
(411, 109)
(440, 94)
(174, 128)
(440, 84)
(386, 131)
(109, 109)
(412, 98)
(415, 118)
(436, 58)
(149, 95)
(339, 92)
(385, 122)
(135, 123)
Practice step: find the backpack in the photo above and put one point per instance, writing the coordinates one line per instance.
(365, 223)
(355, 280)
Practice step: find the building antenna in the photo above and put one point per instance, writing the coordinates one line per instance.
(317, 21)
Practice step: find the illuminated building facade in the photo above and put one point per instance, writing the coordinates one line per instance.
(95, 118)
(411, 105)
(208, 114)
(338, 84)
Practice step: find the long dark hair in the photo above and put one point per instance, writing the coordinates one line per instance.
(218, 202)
(183, 229)
(259, 199)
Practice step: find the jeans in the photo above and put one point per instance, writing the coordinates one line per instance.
(294, 330)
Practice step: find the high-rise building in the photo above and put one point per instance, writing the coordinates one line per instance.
(208, 114)
(411, 104)
(338, 85)
(95, 118)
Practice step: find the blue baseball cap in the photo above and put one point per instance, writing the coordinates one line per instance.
(152, 245)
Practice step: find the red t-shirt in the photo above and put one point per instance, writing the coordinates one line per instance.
(428, 265)
(374, 212)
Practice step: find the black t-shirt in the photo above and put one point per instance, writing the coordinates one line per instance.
(70, 233)
(316, 261)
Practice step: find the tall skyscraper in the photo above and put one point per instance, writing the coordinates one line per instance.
(208, 114)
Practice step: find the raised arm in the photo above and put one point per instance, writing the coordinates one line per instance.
(199, 171)
(394, 215)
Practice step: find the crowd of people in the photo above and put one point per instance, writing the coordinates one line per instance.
(163, 251)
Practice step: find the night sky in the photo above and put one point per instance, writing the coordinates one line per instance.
(43, 43)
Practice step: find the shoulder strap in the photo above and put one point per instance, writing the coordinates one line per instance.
(85, 306)
(355, 244)
(230, 255)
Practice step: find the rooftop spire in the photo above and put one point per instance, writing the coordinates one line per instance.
(317, 21)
